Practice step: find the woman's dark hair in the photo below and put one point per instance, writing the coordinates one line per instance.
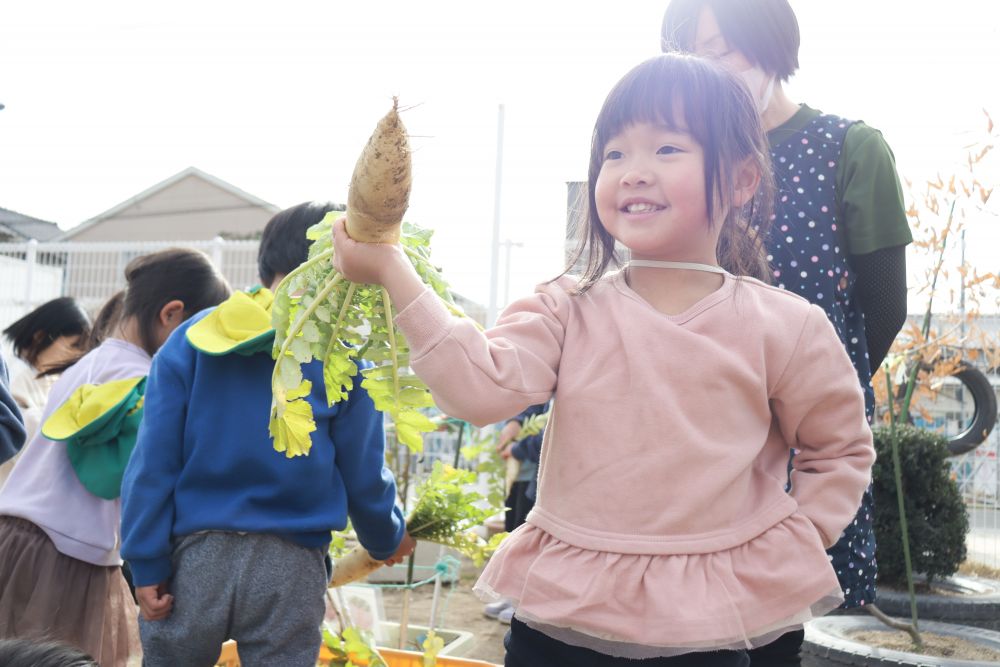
(153, 281)
(37, 330)
(283, 245)
(715, 108)
(42, 653)
(765, 31)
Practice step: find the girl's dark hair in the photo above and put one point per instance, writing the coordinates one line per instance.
(156, 279)
(37, 330)
(153, 281)
(765, 31)
(42, 653)
(715, 108)
(283, 245)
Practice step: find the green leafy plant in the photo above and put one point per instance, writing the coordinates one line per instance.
(482, 449)
(936, 516)
(432, 645)
(352, 648)
(533, 425)
(317, 314)
(447, 511)
(356, 648)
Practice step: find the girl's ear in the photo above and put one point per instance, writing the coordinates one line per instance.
(746, 182)
(172, 314)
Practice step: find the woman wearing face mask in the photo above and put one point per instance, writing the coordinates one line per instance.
(839, 231)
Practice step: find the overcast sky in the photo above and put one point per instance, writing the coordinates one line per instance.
(105, 99)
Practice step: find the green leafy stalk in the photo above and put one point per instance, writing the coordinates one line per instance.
(533, 425)
(333, 281)
(319, 314)
(897, 471)
(448, 509)
(355, 647)
(902, 417)
(352, 648)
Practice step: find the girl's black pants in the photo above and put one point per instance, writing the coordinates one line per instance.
(530, 648)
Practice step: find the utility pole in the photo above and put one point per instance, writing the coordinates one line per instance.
(491, 313)
(508, 244)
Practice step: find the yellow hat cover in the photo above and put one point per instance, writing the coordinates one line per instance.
(240, 324)
(99, 424)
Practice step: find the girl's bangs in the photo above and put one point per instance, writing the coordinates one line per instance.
(658, 92)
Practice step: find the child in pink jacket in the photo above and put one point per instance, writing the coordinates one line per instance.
(662, 530)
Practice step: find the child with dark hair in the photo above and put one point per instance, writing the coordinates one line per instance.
(661, 532)
(44, 339)
(60, 323)
(226, 537)
(37, 653)
(59, 510)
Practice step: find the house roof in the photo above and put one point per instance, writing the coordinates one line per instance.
(162, 185)
(24, 227)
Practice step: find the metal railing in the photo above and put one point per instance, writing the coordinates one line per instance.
(32, 273)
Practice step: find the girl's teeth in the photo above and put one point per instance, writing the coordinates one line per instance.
(640, 208)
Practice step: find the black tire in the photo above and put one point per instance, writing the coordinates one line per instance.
(827, 643)
(973, 601)
(985, 416)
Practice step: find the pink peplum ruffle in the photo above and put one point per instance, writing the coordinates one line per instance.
(736, 598)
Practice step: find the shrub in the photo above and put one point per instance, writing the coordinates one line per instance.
(935, 512)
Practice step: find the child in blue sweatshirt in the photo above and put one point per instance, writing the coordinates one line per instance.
(226, 538)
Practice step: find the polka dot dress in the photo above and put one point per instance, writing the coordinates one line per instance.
(808, 257)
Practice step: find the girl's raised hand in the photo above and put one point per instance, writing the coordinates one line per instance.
(364, 262)
(376, 263)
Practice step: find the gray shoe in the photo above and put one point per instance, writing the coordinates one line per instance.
(493, 609)
(505, 615)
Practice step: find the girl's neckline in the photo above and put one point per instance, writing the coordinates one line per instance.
(664, 264)
(694, 309)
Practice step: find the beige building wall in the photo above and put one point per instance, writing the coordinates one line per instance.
(190, 209)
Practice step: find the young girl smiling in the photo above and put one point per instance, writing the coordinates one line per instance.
(662, 531)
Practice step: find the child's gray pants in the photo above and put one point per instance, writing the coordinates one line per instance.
(265, 592)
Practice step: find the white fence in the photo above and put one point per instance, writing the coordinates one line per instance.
(32, 273)
(978, 476)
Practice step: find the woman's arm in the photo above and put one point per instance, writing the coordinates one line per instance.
(881, 288)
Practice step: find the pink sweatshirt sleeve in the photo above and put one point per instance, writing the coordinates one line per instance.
(485, 377)
(821, 413)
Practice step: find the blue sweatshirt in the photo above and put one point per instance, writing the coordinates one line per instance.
(204, 461)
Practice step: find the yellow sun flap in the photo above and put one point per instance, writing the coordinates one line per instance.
(88, 408)
(99, 424)
(240, 324)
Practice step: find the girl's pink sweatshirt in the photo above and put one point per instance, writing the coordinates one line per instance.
(662, 523)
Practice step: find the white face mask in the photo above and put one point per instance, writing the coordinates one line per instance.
(761, 86)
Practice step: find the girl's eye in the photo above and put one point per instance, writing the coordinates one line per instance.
(667, 150)
(613, 155)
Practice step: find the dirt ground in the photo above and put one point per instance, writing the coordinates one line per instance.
(934, 645)
(460, 610)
